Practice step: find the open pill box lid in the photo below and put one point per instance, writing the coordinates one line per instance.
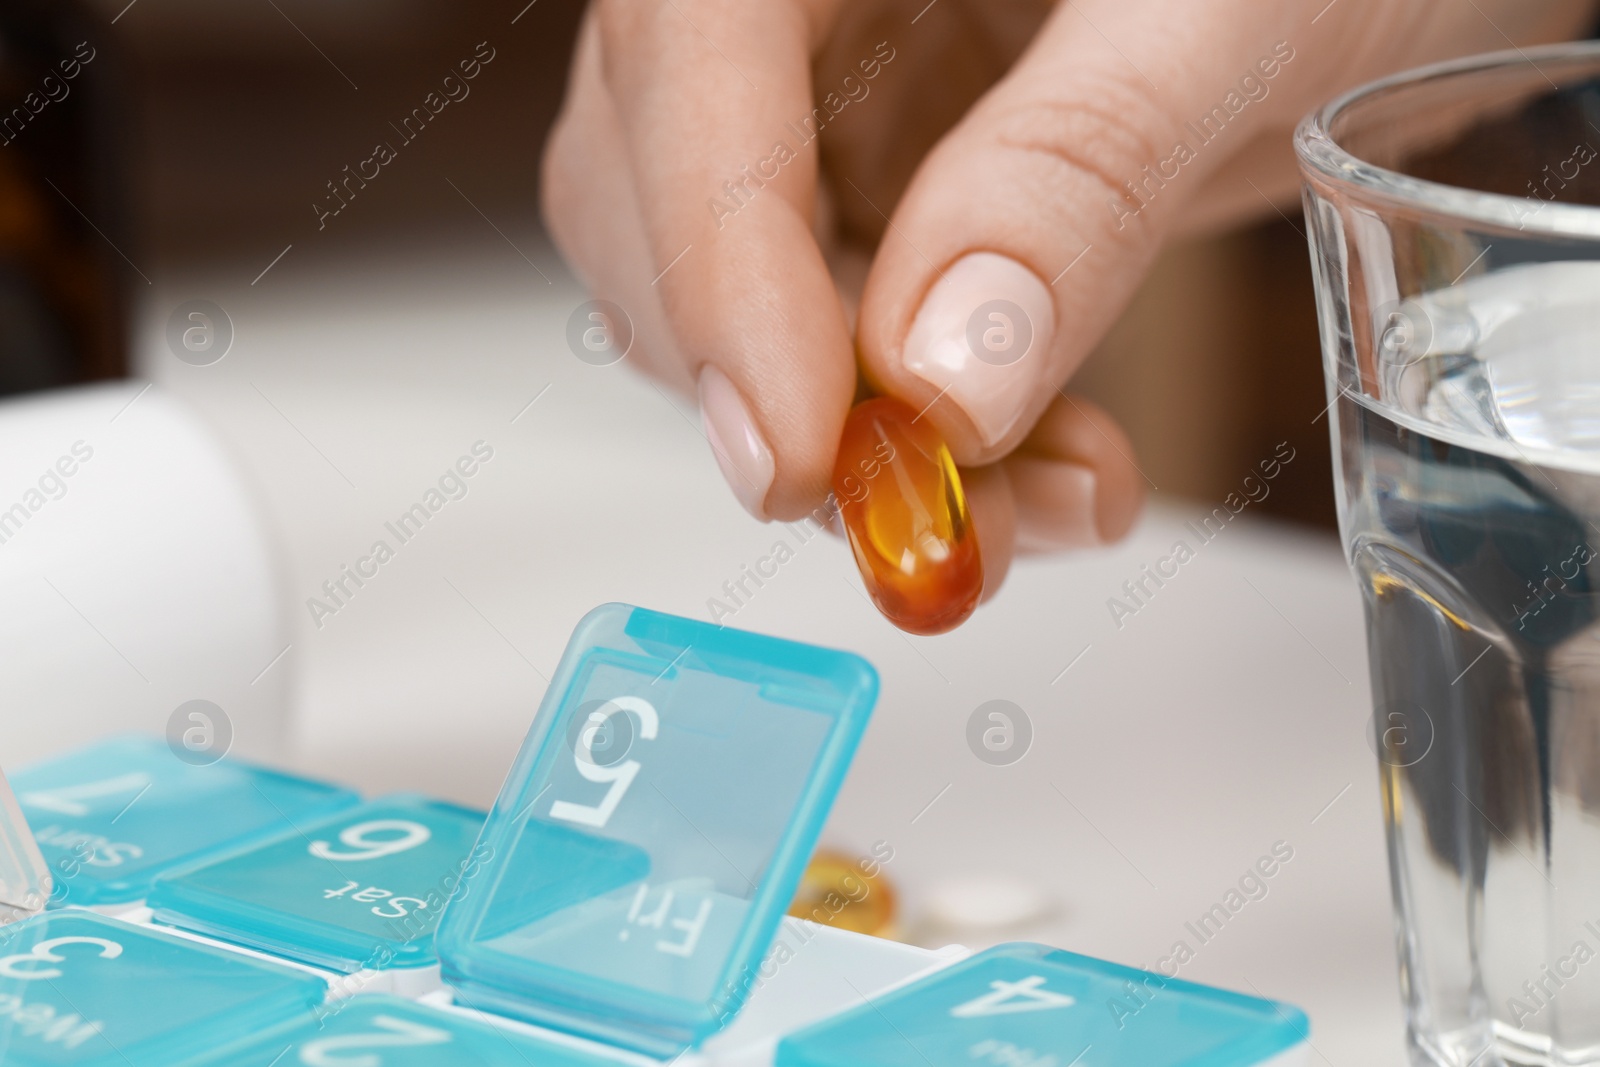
(654, 828)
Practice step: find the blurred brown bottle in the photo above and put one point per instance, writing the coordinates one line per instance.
(63, 191)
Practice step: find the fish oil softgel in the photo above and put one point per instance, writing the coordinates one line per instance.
(847, 893)
(906, 516)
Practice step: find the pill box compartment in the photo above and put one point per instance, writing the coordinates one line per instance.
(653, 829)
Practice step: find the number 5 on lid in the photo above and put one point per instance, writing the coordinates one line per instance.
(654, 828)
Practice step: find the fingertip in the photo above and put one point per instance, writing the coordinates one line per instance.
(1058, 502)
(760, 309)
(1079, 430)
(1074, 480)
(994, 519)
(737, 443)
(978, 340)
(1120, 503)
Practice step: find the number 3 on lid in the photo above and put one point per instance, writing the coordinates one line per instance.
(78, 988)
(44, 953)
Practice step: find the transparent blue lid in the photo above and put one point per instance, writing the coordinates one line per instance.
(363, 889)
(654, 828)
(110, 817)
(78, 988)
(1026, 1004)
(378, 1030)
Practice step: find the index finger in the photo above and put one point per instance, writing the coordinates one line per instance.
(715, 99)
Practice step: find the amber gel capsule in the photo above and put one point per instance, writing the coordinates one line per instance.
(906, 516)
(848, 893)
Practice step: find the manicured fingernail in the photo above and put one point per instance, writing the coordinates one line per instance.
(984, 333)
(1059, 503)
(741, 451)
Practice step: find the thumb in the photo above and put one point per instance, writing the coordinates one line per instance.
(1029, 225)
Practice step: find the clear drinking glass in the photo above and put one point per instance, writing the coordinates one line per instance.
(1454, 219)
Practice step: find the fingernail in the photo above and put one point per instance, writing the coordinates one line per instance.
(1060, 503)
(983, 333)
(741, 451)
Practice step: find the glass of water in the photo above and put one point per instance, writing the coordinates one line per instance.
(1454, 220)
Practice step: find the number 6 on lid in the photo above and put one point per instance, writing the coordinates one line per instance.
(361, 890)
(654, 827)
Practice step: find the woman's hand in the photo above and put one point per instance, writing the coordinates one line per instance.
(723, 169)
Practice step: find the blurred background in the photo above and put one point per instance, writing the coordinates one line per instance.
(212, 129)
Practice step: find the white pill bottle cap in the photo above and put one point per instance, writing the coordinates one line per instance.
(139, 589)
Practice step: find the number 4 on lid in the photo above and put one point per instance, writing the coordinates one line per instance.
(1025, 1005)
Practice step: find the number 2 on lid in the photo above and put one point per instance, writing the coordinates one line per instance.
(396, 1033)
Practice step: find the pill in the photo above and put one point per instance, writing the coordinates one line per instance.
(905, 514)
(851, 894)
(985, 903)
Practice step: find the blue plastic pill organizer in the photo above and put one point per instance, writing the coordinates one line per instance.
(614, 897)
(1025, 1005)
(362, 890)
(79, 988)
(378, 1030)
(110, 817)
(655, 827)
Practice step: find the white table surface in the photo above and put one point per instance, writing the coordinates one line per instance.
(1227, 715)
